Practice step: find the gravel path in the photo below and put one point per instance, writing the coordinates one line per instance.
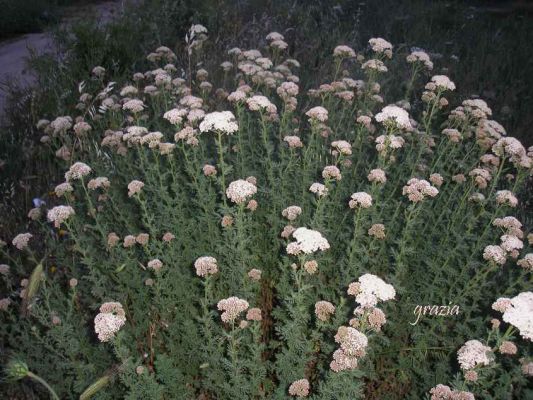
(14, 52)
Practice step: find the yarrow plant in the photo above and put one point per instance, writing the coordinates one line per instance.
(222, 232)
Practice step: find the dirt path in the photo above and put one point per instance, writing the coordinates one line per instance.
(14, 52)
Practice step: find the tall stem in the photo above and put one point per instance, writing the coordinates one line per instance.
(44, 383)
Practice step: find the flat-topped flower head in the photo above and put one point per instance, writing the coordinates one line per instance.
(495, 254)
(421, 57)
(254, 314)
(443, 392)
(418, 189)
(377, 176)
(294, 142)
(343, 51)
(307, 241)
(374, 65)
(223, 122)
(134, 105)
(299, 388)
(100, 182)
(341, 147)
(291, 212)
(324, 310)
(240, 190)
(442, 82)
(232, 307)
(175, 116)
(287, 90)
(511, 225)
(519, 313)
(351, 341)
(21, 240)
(61, 125)
(206, 266)
(506, 197)
(511, 243)
(360, 200)
(377, 231)
(63, 188)
(509, 147)
(109, 321)
(60, 214)
(394, 115)
(436, 179)
(261, 103)
(135, 187)
(389, 142)
(318, 113)
(370, 289)
(331, 172)
(155, 264)
(474, 353)
(77, 171)
(319, 189)
(274, 36)
(380, 45)
(526, 262)
(191, 102)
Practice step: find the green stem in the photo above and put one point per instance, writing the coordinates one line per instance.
(44, 383)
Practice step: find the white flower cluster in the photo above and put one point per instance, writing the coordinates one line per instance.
(443, 392)
(63, 188)
(223, 121)
(175, 116)
(420, 56)
(342, 147)
(394, 115)
(512, 148)
(393, 142)
(261, 103)
(21, 240)
(526, 262)
(293, 141)
(377, 175)
(77, 171)
(307, 241)
(299, 388)
(506, 197)
(206, 266)
(472, 354)
(133, 105)
(495, 254)
(371, 289)
(61, 124)
(232, 307)
(442, 82)
(109, 321)
(375, 65)
(317, 114)
(360, 199)
(352, 345)
(135, 187)
(319, 189)
(59, 214)
(238, 191)
(343, 51)
(291, 212)
(380, 45)
(519, 313)
(418, 189)
(331, 172)
(324, 310)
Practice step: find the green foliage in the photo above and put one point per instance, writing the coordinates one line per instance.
(174, 343)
